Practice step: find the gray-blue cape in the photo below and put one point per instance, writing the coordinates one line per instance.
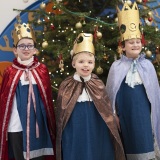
(146, 70)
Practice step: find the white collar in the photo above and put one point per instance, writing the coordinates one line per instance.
(26, 62)
(77, 77)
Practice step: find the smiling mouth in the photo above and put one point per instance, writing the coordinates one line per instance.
(85, 69)
(26, 53)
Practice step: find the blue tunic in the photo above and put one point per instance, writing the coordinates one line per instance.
(86, 136)
(134, 111)
(38, 146)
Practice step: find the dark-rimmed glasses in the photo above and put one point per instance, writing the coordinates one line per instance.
(23, 47)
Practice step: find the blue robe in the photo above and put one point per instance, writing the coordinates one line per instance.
(38, 146)
(86, 136)
(134, 111)
(149, 91)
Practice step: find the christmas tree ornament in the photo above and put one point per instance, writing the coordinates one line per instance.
(145, 1)
(150, 19)
(99, 35)
(149, 23)
(119, 49)
(99, 70)
(61, 64)
(78, 25)
(112, 28)
(54, 7)
(156, 29)
(83, 43)
(150, 14)
(22, 30)
(42, 5)
(52, 26)
(129, 2)
(148, 53)
(45, 28)
(139, 1)
(116, 19)
(58, 1)
(84, 22)
(59, 27)
(143, 39)
(129, 22)
(95, 32)
(39, 21)
(45, 44)
(105, 57)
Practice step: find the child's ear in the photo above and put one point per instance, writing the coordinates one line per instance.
(36, 51)
(15, 51)
(123, 49)
(73, 64)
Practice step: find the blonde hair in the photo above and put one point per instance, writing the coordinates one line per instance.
(74, 58)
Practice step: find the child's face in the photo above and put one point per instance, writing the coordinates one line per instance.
(84, 64)
(25, 49)
(132, 48)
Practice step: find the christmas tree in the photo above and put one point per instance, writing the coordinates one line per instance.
(58, 22)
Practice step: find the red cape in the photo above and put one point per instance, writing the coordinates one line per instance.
(9, 83)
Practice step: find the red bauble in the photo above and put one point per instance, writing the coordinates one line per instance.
(145, 1)
(150, 19)
(52, 27)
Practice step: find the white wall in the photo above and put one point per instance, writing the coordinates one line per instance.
(6, 10)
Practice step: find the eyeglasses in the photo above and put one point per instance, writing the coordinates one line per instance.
(23, 47)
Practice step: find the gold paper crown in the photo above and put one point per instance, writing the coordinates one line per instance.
(83, 43)
(21, 31)
(129, 22)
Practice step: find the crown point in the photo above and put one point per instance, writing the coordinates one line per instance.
(22, 31)
(128, 21)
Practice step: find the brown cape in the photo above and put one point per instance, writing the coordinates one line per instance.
(69, 91)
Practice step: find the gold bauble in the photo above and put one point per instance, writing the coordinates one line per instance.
(140, 1)
(148, 53)
(150, 14)
(99, 35)
(62, 70)
(45, 44)
(99, 70)
(78, 25)
(39, 21)
(129, 2)
(116, 19)
(42, 5)
(156, 29)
